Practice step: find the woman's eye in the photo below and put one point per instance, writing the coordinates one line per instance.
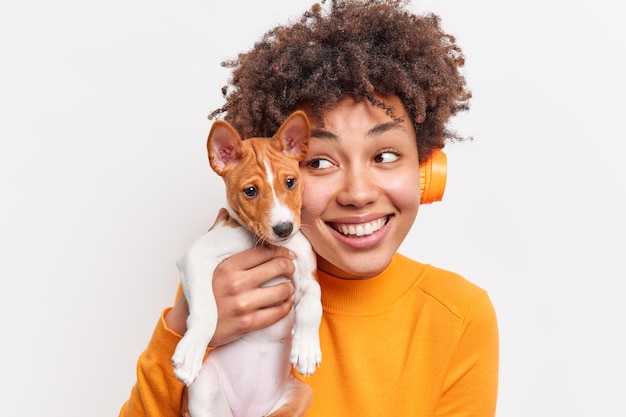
(319, 164)
(386, 157)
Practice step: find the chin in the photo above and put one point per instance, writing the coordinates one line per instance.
(359, 267)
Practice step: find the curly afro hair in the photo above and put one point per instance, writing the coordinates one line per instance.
(358, 49)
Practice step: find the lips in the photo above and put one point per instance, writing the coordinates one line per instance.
(360, 229)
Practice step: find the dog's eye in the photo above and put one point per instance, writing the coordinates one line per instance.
(290, 183)
(250, 192)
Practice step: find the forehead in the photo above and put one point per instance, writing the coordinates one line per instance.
(351, 119)
(361, 115)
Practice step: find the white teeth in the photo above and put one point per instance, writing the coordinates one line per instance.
(361, 229)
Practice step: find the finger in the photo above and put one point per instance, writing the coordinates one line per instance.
(260, 298)
(267, 316)
(259, 319)
(272, 268)
(266, 297)
(229, 281)
(252, 257)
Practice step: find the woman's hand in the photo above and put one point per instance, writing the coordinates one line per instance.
(242, 304)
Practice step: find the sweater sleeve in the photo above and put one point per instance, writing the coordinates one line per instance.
(157, 392)
(471, 385)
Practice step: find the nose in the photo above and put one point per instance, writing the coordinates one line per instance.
(358, 188)
(283, 229)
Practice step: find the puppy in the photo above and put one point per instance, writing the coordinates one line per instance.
(252, 376)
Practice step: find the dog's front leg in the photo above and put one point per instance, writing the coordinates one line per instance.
(196, 272)
(306, 354)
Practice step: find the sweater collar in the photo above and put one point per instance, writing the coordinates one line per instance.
(369, 296)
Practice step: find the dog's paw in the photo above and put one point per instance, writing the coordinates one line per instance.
(306, 355)
(187, 361)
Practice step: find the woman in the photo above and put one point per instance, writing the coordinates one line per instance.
(398, 337)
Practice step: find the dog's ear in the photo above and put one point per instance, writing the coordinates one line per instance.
(223, 146)
(293, 135)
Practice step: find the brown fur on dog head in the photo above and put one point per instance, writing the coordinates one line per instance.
(243, 165)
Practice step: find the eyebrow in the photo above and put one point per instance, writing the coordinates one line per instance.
(381, 128)
(322, 134)
(377, 130)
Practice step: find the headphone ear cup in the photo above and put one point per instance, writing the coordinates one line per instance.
(433, 173)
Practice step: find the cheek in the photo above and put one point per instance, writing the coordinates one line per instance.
(404, 192)
(314, 201)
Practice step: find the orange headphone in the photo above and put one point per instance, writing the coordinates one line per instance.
(433, 177)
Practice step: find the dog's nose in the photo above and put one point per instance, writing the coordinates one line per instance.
(283, 229)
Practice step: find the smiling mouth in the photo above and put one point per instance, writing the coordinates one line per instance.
(360, 229)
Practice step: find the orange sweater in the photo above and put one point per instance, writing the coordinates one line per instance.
(414, 341)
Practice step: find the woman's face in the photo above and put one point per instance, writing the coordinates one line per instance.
(361, 187)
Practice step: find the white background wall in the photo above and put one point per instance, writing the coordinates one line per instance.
(105, 181)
